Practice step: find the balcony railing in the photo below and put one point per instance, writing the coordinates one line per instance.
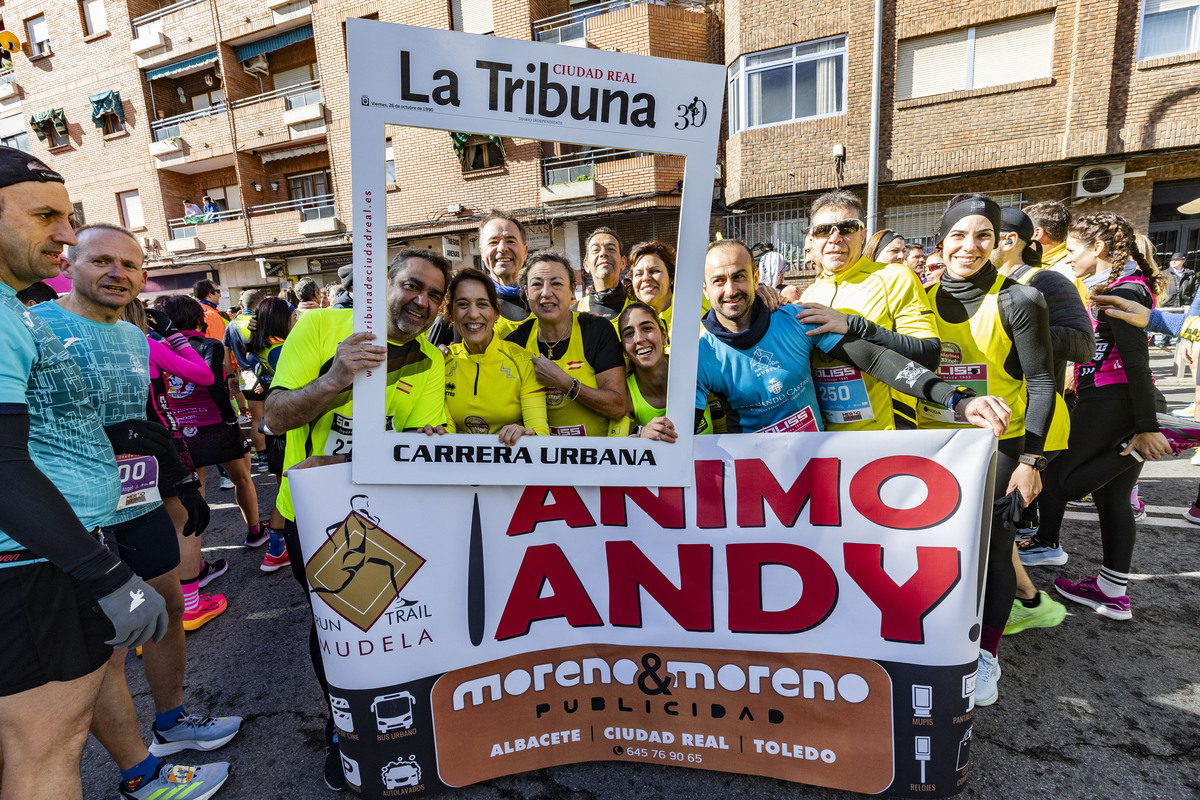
(166, 128)
(310, 208)
(146, 20)
(188, 227)
(581, 166)
(297, 96)
(572, 25)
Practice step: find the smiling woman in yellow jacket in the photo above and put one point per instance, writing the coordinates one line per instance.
(491, 386)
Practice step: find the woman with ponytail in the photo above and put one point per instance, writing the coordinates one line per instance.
(1113, 426)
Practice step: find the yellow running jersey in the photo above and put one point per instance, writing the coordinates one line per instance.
(498, 387)
(851, 400)
(973, 355)
(416, 385)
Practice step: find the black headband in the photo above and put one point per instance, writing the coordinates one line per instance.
(970, 207)
(17, 166)
(887, 239)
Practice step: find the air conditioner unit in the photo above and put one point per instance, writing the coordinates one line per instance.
(256, 65)
(1100, 180)
(148, 243)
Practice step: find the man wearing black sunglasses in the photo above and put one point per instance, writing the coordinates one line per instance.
(881, 304)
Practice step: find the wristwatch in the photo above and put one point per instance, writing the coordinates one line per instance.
(1037, 462)
(960, 393)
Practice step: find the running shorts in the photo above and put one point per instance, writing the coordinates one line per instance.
(52, 628)
(218, 443)
(147, 543)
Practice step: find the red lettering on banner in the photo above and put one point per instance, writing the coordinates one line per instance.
(818, 481)
(665, 508)
(710, 494)
(819, 589)
(546, 564)
(532, 508)
(903, 607)
(941, 499)
(690, 604)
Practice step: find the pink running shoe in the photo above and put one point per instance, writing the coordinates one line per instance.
(1087, 593)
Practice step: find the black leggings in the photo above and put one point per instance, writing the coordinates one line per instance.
(1001, 586)
(1101, 424)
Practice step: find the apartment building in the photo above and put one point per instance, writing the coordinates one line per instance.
(1093, 102)
(145, 106)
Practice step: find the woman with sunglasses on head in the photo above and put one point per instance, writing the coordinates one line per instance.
(643, 338)
(1113, 427)
(576, 355)
(995, 337)
(491, 386)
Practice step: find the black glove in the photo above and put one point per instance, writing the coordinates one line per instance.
(137, 612)
(160, 323)
(197, 508)
(139, 437)
(1009, 508)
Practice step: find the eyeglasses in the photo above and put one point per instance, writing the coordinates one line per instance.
(846, 227)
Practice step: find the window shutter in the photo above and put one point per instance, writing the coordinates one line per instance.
(1014, 50)
(471, 16)
(94, 14)
(932, 65)
(1158, 6)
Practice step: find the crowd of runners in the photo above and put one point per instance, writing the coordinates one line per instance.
(1029, 323)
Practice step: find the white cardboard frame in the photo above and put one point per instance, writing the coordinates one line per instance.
(686, 100)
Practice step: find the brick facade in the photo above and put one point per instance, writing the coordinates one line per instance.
(1098, 105)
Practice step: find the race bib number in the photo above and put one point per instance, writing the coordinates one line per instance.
(803, 421)
(341, 436)
(139, 480)
(247, 379)
(842, 395)
(972, 376)
(568, 430)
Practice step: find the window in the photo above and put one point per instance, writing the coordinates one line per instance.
(214, 100)
(77, 213)
(39, 36)
(389, 163)
(51, 127)
(95, 20)
(916, 222)
(108, 112)
(18, 140)
(226, 198)
(471, 16)
(311, 193)
(798, 82)
(1169, 27)
(482, 152)
(1009, 51)
(131, 210)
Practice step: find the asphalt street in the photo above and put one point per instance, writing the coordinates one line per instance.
(1091, 709)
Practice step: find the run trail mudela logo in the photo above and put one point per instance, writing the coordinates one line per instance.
(361, 569)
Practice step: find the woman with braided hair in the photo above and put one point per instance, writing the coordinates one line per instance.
(1113, 426)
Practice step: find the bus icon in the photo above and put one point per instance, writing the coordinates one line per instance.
(393, 711)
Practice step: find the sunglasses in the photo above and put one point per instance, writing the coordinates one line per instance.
(846, 227)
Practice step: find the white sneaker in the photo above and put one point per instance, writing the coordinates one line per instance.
(987, 679)
(1196, 459)
(226, 483)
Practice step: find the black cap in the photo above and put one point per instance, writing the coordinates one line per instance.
(1178, 257)
(1014, 220)
(17, 166)
(971, 206)
(346, 275)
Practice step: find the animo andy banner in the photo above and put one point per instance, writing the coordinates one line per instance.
(808, 610)
(490, 85)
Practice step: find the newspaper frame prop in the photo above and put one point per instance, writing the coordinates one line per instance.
(808, 610)
(418, 77)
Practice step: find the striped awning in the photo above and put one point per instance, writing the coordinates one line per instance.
(106, 103)
(42, 120)
(184, 67)
(273, 43)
